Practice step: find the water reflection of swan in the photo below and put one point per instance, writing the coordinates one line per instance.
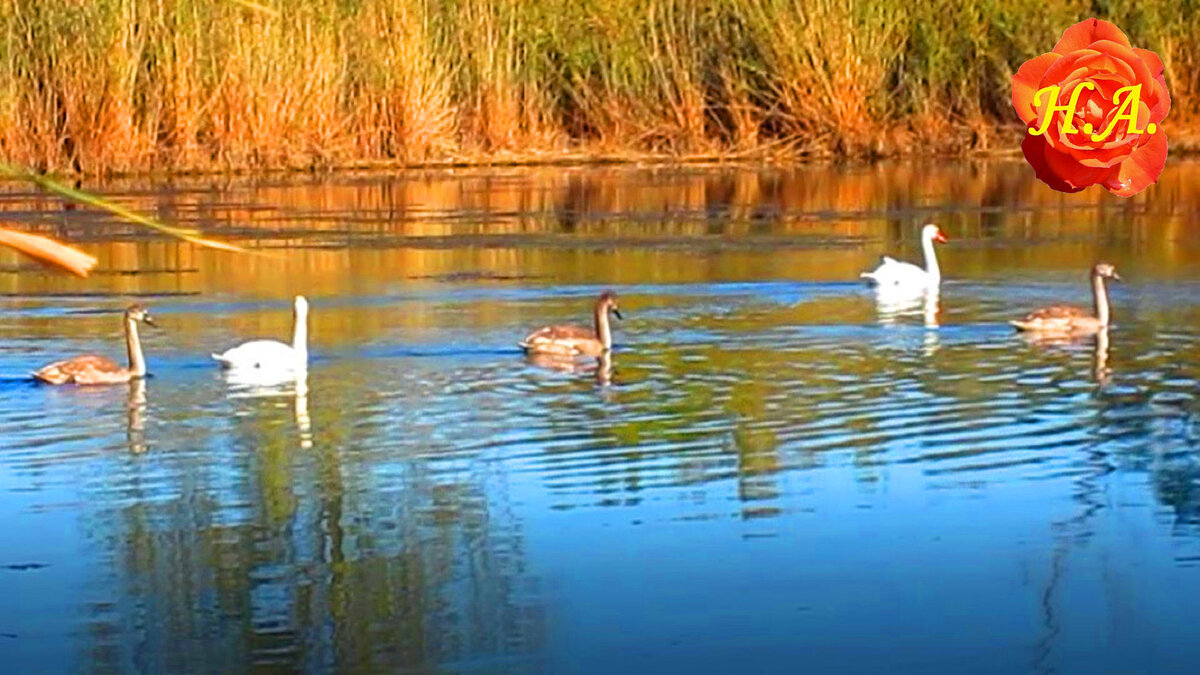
(246, 383)
(931, 309)
(601, 367)
(136, 411)
(303, 421)
(1100, 341)
(1100, 367)
(604, 369)
(932, 340)
(893, 303)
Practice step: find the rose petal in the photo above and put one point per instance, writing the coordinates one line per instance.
(1108, 63)
(1107, 85)
(1084, 33)
(1065, 165)
(1035, 149)
(1067, 73)
(1143, 117)
(1140, 170)
(1151, 60)
(1108, 156)
(1072, 66)
(1127, 59)
(1025, 85)
(1147, 71)
(1119, 144)
(1161, 100)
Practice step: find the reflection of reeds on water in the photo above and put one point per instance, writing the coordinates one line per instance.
(518, 222)
(310, 83)
(312, 552)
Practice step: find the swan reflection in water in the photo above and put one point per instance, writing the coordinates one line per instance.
(894, 304)
(1099, 341)
(136, 411)
(254, 383)
(600, 367)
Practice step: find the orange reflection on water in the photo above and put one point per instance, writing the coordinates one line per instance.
(347, 233)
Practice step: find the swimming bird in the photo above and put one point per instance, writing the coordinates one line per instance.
(1069, 319)
(577, 340)
(93, 369)
(893, 274)
(273, 354)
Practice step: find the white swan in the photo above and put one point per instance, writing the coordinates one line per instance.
(897, 275)
(271, 354)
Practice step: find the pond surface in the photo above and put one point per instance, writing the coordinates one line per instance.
(773, 474)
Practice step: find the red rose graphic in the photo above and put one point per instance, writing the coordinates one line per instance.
(1072, 154)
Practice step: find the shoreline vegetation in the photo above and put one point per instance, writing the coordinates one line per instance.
(199, 86)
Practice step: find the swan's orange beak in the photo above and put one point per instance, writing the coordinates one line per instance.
(939, 237)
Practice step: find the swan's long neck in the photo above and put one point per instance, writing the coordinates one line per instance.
(603, 330)
(300, 334)
(1100, 294)
(133, 345)
(931, 262)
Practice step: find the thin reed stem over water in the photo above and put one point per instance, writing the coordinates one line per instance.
(133, 85)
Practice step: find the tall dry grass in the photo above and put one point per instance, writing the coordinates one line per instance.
(125, 85)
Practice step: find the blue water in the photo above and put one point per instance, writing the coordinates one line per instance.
(772, 475)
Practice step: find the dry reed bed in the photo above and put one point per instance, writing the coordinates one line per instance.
(131, 85)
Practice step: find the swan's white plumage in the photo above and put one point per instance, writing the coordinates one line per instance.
(262, 355)
(893, 273)
(897, 275)
(273, 355)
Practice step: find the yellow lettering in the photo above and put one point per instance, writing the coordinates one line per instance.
(1128, 111)
(1069, 109)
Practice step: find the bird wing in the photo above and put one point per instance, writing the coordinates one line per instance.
(559, 339)
(1054, 312)
(893, 272)
(79, 369)
(884, 261)
(258, 354)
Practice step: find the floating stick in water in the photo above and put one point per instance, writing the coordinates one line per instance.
(48, 252)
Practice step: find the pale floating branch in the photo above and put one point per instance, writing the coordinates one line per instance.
(48, 252)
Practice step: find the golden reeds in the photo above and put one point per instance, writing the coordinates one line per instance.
(127, 85)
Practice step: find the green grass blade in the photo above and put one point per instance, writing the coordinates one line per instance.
(51, 185)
